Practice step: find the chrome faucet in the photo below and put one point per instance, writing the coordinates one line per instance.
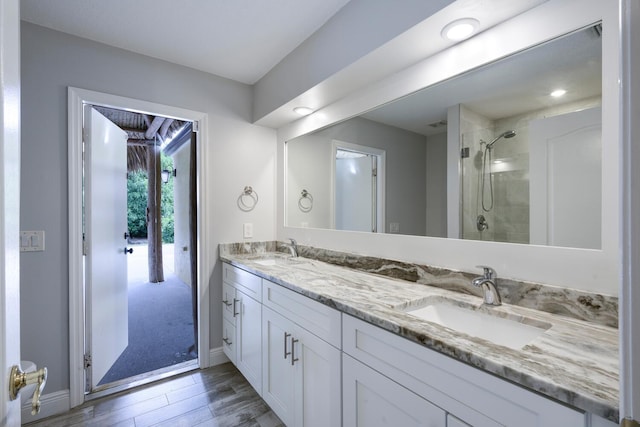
(293, 247)
(488, 285)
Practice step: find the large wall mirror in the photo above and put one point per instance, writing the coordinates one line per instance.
(510, 152)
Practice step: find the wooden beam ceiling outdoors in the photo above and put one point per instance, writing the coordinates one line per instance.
(142, 130)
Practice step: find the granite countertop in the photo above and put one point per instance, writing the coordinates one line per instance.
(574, 361)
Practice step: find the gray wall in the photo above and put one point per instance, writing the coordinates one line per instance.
(405, 169)
(437, 185)
(360, 27)
(51, 61)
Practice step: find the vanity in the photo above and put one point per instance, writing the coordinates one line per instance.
(325, 344)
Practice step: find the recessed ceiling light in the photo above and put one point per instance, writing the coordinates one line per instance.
(460, 29)
(303, 111)
(558, 93)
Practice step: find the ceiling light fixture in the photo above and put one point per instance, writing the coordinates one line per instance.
(558, 93)
(303, 111)
(460, 29)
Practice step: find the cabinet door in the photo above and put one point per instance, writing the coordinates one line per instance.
(317, 384)
(373, 400)
(277, 373)
(249, 339)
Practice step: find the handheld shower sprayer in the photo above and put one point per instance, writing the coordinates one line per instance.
(508, 134)
(487, 158)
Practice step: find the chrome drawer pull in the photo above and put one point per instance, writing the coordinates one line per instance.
(235, 301)
(286, 353)
(293, 350)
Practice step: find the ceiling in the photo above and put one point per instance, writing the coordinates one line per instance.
(518, 84)
(237, 39)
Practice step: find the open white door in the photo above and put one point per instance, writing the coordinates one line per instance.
(106, 225)
(9, 205)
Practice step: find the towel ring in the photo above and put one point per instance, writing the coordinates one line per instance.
(248, 199)
(305, 202)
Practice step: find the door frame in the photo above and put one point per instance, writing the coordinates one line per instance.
(76, 99)
(9, 205)
(381, 157)
(629, 294)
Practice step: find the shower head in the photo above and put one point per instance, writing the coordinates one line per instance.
(508, 134)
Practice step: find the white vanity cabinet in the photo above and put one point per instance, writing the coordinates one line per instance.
(242, 322)
(301, 368)
(448, 389)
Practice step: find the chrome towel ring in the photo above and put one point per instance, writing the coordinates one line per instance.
(248, 199)
(305, 202)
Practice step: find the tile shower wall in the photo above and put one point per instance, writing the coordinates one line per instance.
(509, 219)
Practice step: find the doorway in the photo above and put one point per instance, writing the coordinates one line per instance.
(358, 187)
(155, 300)
(78, 347)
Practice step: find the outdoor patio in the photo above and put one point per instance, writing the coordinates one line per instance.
(160, 319)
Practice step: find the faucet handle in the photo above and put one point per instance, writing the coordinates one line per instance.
(293, 241)
(489, 273)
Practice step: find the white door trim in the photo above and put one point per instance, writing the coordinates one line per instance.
(629, 298)
(76, 99)
(9, 204)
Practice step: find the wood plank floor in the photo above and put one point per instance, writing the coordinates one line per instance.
(218, 396)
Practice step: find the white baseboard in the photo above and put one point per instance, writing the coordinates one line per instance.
(217, 357)
(50, 404)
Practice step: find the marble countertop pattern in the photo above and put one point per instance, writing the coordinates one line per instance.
(574, 362)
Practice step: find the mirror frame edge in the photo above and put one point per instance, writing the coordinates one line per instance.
(578, 268)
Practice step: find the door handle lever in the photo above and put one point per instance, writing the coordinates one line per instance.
(19, 380)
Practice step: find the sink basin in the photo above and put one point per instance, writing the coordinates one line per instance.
(268, 262)
(279, 261)
(514, 332)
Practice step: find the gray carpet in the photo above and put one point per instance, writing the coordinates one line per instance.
(160, 329)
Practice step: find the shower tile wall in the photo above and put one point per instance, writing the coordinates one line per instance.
(509, 219)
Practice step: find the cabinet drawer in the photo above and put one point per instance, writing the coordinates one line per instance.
(473, 396)
(228, 297)
(247, 282)
(229, 340)
(319, 319)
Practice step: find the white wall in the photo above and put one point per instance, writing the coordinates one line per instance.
(239, 154)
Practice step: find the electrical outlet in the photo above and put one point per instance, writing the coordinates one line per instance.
(394, 227)
(247, 230)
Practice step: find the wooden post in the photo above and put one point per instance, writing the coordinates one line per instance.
(154, 216)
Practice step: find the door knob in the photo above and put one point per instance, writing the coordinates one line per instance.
(130, 250)
(20, 379)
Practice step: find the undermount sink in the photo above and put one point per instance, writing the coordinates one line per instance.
(512, 331)
(279, 261)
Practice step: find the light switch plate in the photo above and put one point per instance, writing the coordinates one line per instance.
(247, 230)
(32, 241)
